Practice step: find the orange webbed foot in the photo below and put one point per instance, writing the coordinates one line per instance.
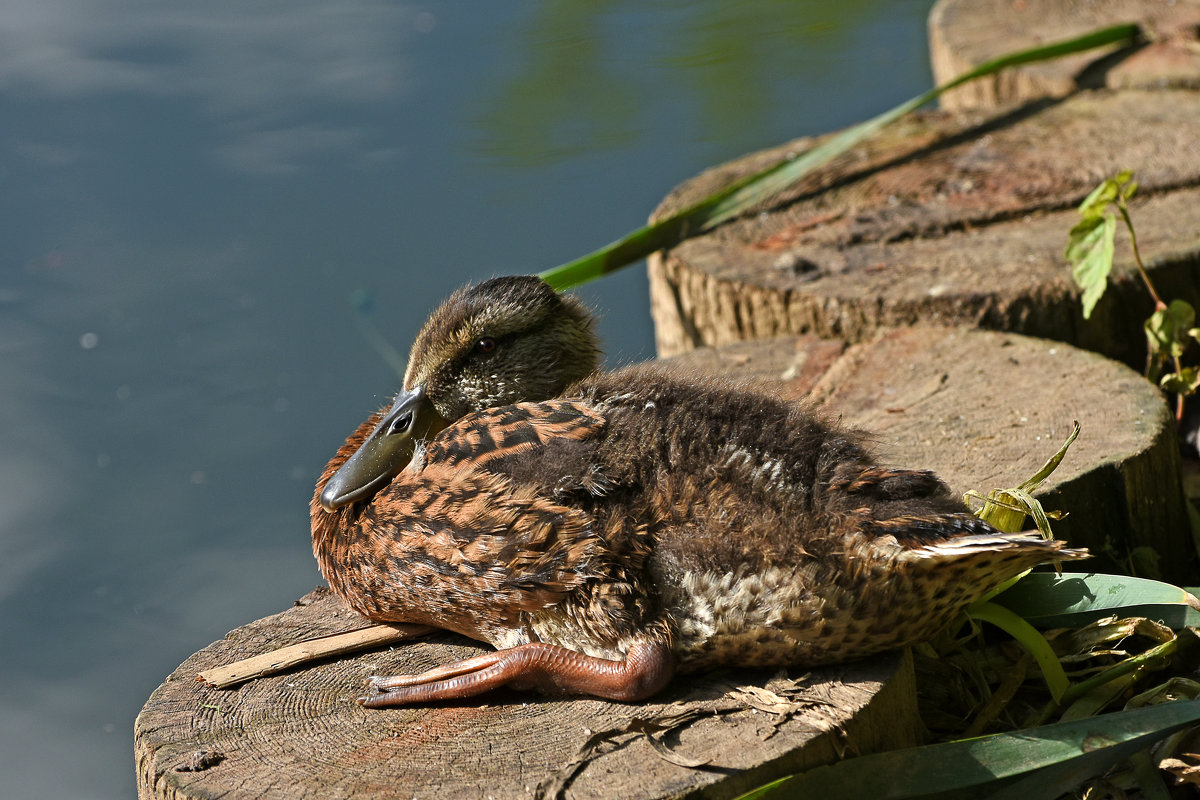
(646, 669)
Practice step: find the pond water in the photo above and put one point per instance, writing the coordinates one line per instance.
(197, 197)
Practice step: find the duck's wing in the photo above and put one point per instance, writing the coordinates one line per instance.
(481, 542)
(486, 437)
(495, 544)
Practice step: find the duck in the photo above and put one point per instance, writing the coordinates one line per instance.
(607, 531)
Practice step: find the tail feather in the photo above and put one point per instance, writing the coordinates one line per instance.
(1028, 543)
(985, 560)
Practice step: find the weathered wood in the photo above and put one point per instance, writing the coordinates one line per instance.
(293, 655)
(985, 410)
(946, 217)
(301, 735)
(965, 33)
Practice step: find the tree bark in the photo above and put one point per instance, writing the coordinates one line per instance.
(956, 218)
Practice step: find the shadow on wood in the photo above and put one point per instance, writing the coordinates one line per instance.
(955, 218)
(965, 33)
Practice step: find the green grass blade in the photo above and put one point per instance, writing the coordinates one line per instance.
(1040, 476)
(1030, 639)
(620, 253)
(774, 179)
(1042, 761)
(754, 189)
(1075, 599)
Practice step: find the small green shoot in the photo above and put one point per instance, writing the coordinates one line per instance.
(1006, 509)
(1170, 330)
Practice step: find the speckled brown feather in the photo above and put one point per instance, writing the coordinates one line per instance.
(454, 545)
(484, 437)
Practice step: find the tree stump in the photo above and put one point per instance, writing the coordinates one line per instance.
(946, 217)
(983, 409)
(301, 735)
(965, 33)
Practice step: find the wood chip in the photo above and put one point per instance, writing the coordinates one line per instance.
(284, 658)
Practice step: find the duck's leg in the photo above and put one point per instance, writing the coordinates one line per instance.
(646, 669)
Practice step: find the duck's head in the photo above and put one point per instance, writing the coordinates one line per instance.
(506, 340)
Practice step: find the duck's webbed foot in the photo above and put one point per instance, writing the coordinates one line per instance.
(646, 669)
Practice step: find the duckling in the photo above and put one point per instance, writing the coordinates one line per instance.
(605, 531)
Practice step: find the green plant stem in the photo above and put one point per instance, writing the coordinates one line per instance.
(1077, 690)
(1159, 305)
(1137, 256)
(1031, 639)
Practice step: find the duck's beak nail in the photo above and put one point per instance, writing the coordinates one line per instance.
(386, 451)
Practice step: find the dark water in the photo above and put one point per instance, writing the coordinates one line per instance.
(194, 194)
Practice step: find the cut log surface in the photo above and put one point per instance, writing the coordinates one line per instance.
(982, 409)
(301, 735)
(965, 33)
(946, 217)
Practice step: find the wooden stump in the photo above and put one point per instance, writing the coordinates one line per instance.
(983, 409)
(301, 735)
(965, 33)
(946, 217)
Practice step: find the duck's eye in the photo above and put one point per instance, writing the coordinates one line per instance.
(485, 345)
(400, 425)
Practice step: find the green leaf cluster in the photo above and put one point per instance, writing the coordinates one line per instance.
(1170, 330)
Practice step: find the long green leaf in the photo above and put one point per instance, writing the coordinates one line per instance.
(1099, 753)
(1043, 760)
(754, 189)
(1075, 599)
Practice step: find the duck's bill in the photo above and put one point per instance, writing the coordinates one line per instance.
(389, 448)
